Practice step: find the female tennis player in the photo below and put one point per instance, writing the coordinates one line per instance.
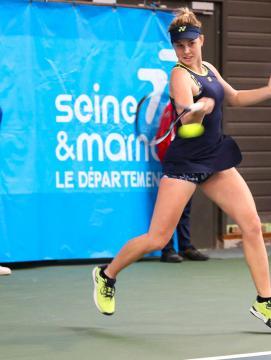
(206, 159)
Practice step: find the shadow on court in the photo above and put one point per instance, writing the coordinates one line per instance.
(164, 311)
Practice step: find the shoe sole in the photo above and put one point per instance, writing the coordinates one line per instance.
(260, 316)
(95, 293)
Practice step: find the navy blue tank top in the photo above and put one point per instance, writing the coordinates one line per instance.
(211, 152)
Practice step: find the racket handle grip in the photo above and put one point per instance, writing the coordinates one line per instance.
(196, 107)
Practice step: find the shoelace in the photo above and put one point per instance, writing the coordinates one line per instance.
(108, 291)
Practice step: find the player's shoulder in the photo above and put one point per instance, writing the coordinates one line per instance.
(179, 71)
(211, 67)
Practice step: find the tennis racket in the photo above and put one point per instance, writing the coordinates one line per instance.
(151, 113)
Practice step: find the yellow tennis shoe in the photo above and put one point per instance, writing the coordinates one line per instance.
(262, 310)
(104, 291)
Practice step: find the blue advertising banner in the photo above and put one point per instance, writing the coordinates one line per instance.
(76, 181)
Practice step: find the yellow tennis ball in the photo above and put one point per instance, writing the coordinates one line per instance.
(187, 131)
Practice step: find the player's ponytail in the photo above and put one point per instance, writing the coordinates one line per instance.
(185, 16)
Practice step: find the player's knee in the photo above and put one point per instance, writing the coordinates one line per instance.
(157, 245)
(158, 241)
(253, 225)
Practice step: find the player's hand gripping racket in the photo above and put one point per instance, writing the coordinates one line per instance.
(150, 115)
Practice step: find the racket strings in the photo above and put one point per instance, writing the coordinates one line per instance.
(150, 115)
(158, 139)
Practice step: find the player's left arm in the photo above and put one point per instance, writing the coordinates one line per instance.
(242, 97)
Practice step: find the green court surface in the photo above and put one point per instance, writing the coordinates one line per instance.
(164, 311)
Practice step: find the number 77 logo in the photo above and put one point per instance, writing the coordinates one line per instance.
(159, 79)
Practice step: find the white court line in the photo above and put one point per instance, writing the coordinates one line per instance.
(234, 356)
